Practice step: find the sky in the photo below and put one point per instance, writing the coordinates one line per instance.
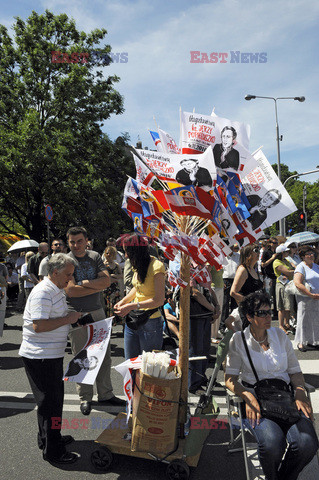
(159, 77)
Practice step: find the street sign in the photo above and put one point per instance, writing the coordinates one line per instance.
(48, 213)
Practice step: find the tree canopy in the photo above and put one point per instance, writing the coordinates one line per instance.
(295, 187)
(52, 148)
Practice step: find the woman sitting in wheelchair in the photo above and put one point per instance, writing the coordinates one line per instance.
(277, 410)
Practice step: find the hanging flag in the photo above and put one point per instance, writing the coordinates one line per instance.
(229, 227)
(138, 222)
(151, 208)
(241, 206)
(201, 275)
(168, 143)
(184, 201)
(143, 173)
(156, 139)
(224, 195)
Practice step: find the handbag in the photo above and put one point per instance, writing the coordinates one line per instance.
(291, 289)
(275, 397)
(137, 318)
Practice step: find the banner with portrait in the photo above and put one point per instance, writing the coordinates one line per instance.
(86, 364)
(200, 131)
(269, 200)
(198, 170)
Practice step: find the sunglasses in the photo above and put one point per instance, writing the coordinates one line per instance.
(56, 244)
(263, 313)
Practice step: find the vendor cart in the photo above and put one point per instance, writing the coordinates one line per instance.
(116, 440)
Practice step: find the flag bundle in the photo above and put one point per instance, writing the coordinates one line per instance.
(226, 194)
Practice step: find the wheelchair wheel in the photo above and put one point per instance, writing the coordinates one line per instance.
(177, 470)
(102, 459)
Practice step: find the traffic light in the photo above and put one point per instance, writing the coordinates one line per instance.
(302, 219)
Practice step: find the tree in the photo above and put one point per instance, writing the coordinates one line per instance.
(295, 189)
(52, 148)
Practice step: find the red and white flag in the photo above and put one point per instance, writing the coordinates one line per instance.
(168, 143)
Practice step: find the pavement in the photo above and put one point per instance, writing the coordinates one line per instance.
(21, 458)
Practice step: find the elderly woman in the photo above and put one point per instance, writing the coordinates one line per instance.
(148, 293)
(273, 356)
(246, 278)
(307, 331)
(293, 256)
(284, 272)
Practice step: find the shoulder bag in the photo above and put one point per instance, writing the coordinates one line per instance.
(137, 318)
(275, 397)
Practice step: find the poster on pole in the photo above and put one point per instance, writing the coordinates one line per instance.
(269, 200)
(198, 170)
(200, 131)
(86, 364)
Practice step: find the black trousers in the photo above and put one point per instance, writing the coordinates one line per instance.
(45, 378)
(199, 345)
(273, 294)
(229, 303)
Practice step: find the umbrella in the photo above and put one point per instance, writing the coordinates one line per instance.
(303, 237)
(23, 245)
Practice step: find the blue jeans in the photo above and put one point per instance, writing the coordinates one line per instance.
(272, 442)
(147, 338)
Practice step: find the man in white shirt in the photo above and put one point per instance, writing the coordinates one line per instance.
(45, 330)
(57, 246)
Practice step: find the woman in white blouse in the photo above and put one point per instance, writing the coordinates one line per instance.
(273, 357)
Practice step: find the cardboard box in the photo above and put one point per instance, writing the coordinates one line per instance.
(154, 415)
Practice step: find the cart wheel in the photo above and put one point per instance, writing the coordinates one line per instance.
(177, 470)
(102, 459)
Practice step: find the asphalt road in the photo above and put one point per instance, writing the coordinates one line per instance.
(21, 458)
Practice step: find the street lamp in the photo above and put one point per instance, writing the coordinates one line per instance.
(278, 138)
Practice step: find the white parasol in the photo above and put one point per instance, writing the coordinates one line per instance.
(23, 245)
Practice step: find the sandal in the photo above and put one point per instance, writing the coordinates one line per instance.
(289, 328)
(302, 348)
(284, 329)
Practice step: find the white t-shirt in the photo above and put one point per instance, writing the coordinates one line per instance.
(24, 272)
(45, 301)
(231, 267)
(277, 362)
(43, 267)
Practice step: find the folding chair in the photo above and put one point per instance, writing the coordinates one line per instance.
(235, 420)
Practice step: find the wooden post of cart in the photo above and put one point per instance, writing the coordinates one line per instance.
(184, 335)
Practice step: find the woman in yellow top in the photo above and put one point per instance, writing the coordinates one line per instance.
(284, 272)
(148, 292)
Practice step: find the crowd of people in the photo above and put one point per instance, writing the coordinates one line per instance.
(130, 280)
